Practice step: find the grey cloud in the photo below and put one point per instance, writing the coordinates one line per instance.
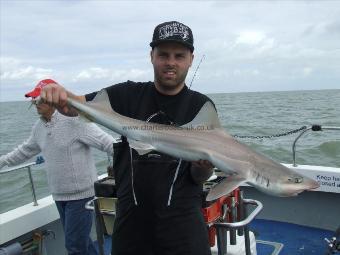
(325, 29)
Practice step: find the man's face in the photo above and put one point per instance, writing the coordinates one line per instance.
(44, 110)
(171, 62)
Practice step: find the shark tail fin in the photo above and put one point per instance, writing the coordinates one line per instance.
(225, 187)
(101, 102)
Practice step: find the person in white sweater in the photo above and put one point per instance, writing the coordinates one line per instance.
(65, 144)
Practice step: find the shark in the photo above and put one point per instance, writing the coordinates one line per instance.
(201, 139)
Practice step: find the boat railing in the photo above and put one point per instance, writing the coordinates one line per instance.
(27, 166)
(223, 226)
(311, 128)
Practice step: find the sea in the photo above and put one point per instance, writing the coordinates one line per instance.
(267, 119)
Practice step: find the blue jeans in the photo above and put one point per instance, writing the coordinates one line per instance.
(77, 223)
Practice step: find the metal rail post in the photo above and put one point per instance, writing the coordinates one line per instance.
(223, 227)
(313, 128)
(35, 202)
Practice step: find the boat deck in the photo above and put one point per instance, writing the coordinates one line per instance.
(296, 239)
(280, 238)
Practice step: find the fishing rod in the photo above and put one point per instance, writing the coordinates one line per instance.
(199, 64)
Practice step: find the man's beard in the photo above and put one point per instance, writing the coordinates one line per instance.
(170, 84)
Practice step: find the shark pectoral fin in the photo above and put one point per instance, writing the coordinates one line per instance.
(141, 148)
(206, 118)
(225, 187)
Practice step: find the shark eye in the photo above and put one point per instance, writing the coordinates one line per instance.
(296, 179)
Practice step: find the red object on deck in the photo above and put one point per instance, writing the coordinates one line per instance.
(214, 212)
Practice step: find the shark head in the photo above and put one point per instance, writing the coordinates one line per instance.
(276, 179)
(290, 185)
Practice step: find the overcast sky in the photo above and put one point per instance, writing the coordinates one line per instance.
(248, 45)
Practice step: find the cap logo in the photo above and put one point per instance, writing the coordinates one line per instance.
(43, 83)
(174, 29)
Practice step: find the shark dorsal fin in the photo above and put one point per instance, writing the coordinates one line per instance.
(206, 117)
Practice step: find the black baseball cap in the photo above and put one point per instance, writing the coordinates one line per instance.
(173, 31)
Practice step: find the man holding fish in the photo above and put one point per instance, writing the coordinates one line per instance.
(161, 169)
(159, 196)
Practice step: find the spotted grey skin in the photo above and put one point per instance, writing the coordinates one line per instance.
(202, 138)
